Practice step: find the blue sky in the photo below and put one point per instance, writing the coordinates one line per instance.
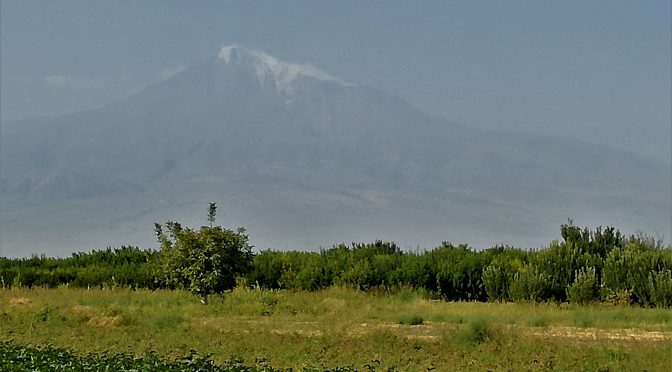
(597, 70)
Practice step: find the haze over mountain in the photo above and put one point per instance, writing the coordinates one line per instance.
(303, 160)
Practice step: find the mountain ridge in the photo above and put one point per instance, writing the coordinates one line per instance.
(272, 149)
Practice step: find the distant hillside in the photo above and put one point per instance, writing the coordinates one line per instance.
(303, 160)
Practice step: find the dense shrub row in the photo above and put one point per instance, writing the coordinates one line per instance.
(586, 266)
(453, 272)
(118, 267)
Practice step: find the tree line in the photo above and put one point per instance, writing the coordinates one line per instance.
(107, 268)
(586, 265)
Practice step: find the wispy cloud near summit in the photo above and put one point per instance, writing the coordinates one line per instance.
(169, 72)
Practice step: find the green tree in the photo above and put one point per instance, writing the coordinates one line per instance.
(204, 261)
(496, 282)
(584, 289)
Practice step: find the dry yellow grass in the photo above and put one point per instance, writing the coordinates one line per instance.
(104, 321)
(19, 301)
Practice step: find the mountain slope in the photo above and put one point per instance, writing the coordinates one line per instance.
(303, 159)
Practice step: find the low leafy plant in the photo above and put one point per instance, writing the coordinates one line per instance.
(168, 319)
(477, 332)
(538, 321)
(30, 358)
(411, 319)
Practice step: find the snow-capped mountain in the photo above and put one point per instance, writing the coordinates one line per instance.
(271, 71)
(303, 159)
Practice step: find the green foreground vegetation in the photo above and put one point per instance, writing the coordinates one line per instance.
(595, 301)
(587, 266)
(331, 329)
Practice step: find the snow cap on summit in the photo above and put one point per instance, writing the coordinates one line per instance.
(267, 66)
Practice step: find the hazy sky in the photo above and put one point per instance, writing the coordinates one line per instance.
(597, 70)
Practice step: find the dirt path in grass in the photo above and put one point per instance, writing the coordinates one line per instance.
(565, 332)
(429, 331)
(600, 334)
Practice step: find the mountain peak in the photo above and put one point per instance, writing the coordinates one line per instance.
(265, 66)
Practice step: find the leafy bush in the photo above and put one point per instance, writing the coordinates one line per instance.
(584, 289)
(206, 261)
(528, 284)
(637, 271)
(621, 297)
(459, 272)
(496, 282)
(660, 287)
(477, 332)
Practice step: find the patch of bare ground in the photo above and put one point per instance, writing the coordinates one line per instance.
(431, 331)
(237, 326)
(104, 321)
(20, 301)
(298, 332)
(427, 332)
(81, 308)
(584, 334)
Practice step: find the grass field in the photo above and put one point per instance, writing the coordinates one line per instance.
(342, 327)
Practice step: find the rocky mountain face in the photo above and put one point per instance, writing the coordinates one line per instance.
(303, 160)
